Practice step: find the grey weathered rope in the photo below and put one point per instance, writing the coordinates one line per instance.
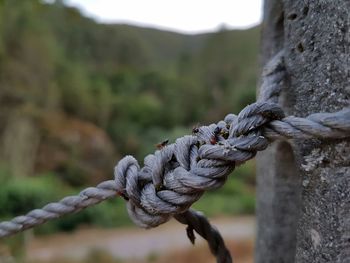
(273, 77)
(319, 125)
(176, 176)
(70, 204)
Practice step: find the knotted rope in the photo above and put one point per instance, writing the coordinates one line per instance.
(173, 178)
(176, 176)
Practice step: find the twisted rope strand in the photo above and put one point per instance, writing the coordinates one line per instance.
(198, 222)
(175, 177)
(70, 204)
(318, 125)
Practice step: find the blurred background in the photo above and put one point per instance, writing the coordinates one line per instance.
(83, 83)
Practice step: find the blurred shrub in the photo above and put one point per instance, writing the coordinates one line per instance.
(19, 195)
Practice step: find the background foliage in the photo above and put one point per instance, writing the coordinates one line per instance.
(76, 95)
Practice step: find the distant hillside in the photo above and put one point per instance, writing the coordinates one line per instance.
(167, 46)
(112, 44)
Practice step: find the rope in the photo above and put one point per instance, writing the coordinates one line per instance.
(173, 178)
(177, 175)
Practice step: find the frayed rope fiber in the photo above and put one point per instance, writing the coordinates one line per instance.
(177, 175)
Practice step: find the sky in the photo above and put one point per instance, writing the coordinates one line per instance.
(185, 16)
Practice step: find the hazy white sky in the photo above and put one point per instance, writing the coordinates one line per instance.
(189, 16)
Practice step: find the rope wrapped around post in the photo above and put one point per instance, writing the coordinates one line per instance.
(173, 178)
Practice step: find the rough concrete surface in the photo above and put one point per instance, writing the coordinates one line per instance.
(315, 207)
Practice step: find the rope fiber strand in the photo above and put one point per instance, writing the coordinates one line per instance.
(177, 175)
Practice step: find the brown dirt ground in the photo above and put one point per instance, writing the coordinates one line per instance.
(165, 244)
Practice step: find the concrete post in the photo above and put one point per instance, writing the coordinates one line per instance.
(303, 191)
